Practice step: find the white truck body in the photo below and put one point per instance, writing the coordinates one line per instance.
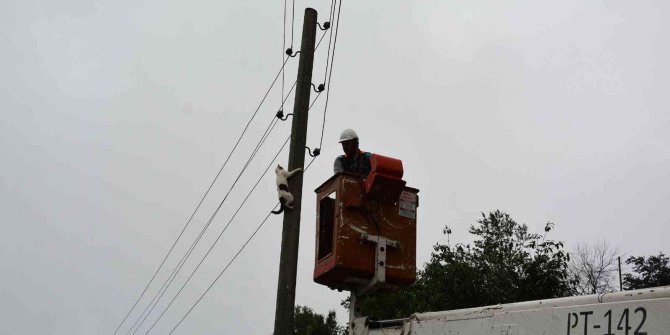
(639, 312)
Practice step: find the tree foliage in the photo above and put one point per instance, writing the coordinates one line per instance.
(505, 264)
(649, 272)
(308, 322)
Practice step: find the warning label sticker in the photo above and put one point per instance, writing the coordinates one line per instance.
(407, 205)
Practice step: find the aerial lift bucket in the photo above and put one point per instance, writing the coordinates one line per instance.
(366, 229)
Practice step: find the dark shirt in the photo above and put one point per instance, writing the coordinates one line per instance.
(360, 164)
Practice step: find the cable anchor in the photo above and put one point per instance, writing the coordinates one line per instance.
(290, 53)
(326, 25)
(280, 115)
(319, 89)
(317, 151)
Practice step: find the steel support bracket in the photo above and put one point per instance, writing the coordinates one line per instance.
(381, 246)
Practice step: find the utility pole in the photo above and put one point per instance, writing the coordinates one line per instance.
(288, 261)
(620, 283)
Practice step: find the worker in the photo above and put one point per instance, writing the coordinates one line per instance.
(354, 160)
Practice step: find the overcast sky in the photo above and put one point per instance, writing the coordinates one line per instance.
(116, 115)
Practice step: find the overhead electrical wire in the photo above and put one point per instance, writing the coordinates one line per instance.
(217, 239)
(332, 63)
(231, 261)
(171, 278)
(319, 43)
(289, 52)
(283, 47)
(273, 123)
(168, 282)
(181, 263)
(224, 270)
(220, 234)
(330, 17)
(201, 200)
(204, 229)
(292, 23)
(332, 9)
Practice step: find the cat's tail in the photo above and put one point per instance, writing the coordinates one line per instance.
(282, 206)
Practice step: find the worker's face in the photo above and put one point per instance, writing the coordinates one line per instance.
(350, 147)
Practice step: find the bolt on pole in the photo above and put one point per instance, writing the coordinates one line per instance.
(288, 260)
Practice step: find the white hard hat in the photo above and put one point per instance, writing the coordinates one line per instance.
(348, 134)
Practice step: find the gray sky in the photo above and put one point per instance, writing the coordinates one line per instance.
(116, 115)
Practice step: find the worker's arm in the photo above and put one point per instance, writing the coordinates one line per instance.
(337, 166)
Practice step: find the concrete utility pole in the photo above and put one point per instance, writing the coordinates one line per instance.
(288, 261)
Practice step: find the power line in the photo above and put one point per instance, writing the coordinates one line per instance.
(181, 263)
(281, 70)
(319, 43)
(332, 63)
(168, 282)
(233, 259)
(292, 23)
(171, 278)
(332, 9)
(217, 239)
(283, 47)
(226, 227)
(224, 270)
(193, 246)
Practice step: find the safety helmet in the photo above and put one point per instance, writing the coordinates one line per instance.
(348, 134)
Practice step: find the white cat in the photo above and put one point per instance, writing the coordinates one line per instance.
(285, 196)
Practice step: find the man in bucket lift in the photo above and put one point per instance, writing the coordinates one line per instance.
(354, 160)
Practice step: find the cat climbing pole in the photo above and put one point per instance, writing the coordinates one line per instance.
(288, 261)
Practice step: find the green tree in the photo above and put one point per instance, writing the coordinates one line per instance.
(505, 264)
(649, 272)
(307, 322)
